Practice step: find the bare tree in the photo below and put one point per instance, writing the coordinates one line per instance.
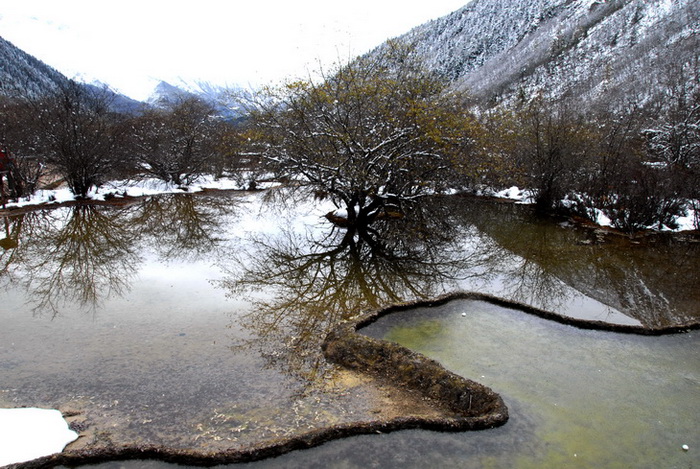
(674, 138)
(375, 135)
(552, 150)
(179, 143)
(79, 135)
(20, 147)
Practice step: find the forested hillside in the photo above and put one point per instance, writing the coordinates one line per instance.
(25, 75)
(578, 48)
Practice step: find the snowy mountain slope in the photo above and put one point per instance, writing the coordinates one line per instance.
(165, 94)
(226, 101)
(24, 75)
(21, 73)
(498, 48)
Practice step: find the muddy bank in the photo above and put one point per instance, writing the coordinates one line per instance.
(472, 405)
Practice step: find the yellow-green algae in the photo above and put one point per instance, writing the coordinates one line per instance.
(593, 399)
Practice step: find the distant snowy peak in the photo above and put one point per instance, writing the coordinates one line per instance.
(498, 48)
(226, 101)
(165, 94)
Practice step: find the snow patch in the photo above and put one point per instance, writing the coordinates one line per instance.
(601, 218)
(136, 188)
(685, 222)
(31, 433)
(514, 193)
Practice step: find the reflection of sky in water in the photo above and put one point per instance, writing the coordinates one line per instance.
(160, 325)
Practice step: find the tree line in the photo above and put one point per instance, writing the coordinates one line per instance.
(74, 134)
(375, 136)
(634, 159)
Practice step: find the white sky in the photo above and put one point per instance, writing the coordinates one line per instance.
(133, 44)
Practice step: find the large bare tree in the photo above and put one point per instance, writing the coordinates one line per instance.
(177, 143)
(80, 134)
(372, 136)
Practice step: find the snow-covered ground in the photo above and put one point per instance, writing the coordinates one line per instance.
(145, 187)
(130, 188)
(31, 433)
(685, 222)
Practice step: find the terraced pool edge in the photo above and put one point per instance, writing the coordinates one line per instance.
(468, 405)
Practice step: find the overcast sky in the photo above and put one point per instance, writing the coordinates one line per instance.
(133, 44)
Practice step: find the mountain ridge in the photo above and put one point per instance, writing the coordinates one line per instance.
(498, 50)
(583, 48)
(23, 75)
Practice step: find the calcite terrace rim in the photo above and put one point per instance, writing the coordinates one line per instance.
(495, 415)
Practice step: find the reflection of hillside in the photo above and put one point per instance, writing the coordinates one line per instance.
(311, 282)
(656, 282)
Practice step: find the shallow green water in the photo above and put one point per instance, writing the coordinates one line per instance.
(590, 399)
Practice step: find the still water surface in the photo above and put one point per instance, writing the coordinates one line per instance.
(576, 398)
(196, 322)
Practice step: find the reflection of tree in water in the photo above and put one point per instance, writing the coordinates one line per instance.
(530, 278)
(302, 284)
(8, 239)
(183, 226)
(529, 283)
(84, 254)
(655, 281)
(79, 254)
(10, 242)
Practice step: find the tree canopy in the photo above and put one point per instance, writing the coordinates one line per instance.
(376, 134)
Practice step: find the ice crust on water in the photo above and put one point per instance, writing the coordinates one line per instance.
(30, 433)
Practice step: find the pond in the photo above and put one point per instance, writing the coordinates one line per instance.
(578, 398)
(194, 322)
